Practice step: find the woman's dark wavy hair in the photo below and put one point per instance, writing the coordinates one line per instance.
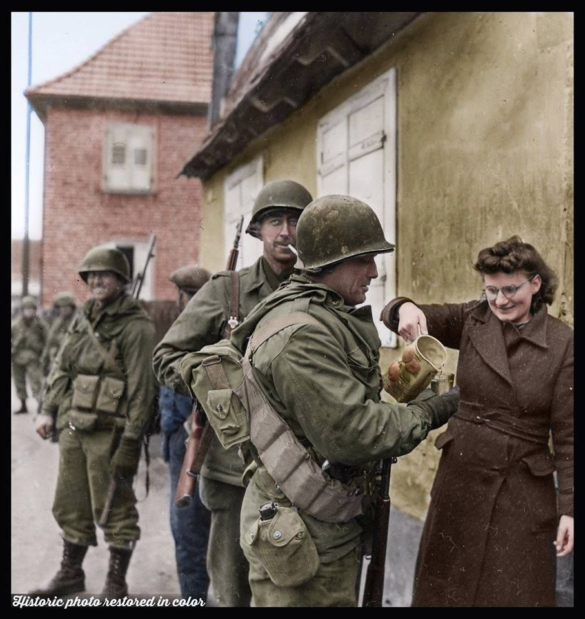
(515, 255)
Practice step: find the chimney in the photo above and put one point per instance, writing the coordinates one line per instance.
(225, 36)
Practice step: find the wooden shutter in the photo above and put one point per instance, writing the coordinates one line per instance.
(357, 156)
(240, 190)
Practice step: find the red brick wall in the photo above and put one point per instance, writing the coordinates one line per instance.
(78, 215)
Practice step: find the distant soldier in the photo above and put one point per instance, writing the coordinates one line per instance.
(65, 306)
(227, 299)
(100, 396)
(28, 338)
(189, 525)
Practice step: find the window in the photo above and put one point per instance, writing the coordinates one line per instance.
(356, 156)
(128, 158)
(240, 190)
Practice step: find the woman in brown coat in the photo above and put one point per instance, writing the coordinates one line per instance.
(494, 521)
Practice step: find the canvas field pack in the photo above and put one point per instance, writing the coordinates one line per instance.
(223, 382)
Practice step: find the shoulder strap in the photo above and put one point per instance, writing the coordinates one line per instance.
(108, 356)
(234, 318)
(278, 324)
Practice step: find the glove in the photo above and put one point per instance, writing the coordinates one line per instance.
(438, 407)
(125, 461)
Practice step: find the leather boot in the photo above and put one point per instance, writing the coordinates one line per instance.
(22, 409)
(70, 578)
(116, 586)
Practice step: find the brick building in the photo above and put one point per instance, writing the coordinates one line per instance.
(117, 129)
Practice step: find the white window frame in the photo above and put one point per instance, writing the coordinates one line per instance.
(384, 85)
(129, 171)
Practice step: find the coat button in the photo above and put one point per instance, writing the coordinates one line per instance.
(219, 408)
(277, 535)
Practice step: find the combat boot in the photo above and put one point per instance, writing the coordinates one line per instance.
(22, 409)
(116, 586)
(70, 578)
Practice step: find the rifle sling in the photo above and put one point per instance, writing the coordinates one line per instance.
(234, 304)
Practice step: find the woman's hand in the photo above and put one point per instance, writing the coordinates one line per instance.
(410, 318)
(565, 533)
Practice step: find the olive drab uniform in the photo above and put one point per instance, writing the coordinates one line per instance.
(55, 337)
(100, 388)
(324, 382)
(28, 337)
(203, 322)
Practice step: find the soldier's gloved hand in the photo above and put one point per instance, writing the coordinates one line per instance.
(439, 407)
(125, 461)
(44, 426)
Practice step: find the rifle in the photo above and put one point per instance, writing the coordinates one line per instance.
(202, 432)
(139, 279)
(374, 589)
(115, 481)
(197, 447)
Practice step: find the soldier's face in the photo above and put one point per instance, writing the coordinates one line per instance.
(351, 279)
(29, 312)
(277, 231)
(65, 311)
(105, 286)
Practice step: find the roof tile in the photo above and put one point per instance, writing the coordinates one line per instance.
(164, 57)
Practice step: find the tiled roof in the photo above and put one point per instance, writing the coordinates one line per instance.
(164, 57)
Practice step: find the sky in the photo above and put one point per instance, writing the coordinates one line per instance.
(60, 42)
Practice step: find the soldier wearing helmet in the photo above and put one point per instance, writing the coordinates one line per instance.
(65, 306)
(189, 525)
(100, 396)
(28, 337)
(228, 298)
(322, 378)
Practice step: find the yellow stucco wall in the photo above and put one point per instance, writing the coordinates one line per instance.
(485, 143)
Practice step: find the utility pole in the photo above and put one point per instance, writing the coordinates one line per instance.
(25, 243)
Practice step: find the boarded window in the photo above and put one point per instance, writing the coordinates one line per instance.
(356, 155)
(128, 158)
(240, 190)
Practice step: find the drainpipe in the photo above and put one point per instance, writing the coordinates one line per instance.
(224, 53)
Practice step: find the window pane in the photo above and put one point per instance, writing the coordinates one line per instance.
(119, 154)
(140, 156)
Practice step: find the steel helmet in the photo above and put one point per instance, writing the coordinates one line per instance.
(28, 302)
(277, 195)
(62, 299)
(190, 278)
(333, 228)
(102, 258)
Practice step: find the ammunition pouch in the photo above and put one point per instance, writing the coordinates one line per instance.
(85, 391)
(284, 547)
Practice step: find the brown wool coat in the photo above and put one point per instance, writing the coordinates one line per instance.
(488, 537)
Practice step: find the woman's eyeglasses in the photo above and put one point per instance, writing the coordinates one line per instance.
(491, 292)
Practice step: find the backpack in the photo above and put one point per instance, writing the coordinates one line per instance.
(223, 382)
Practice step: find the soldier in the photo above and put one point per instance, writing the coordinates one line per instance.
(189, 525)
(28, 337)
(204, 321)
(322, 378)
(65, 306)
(100, 395)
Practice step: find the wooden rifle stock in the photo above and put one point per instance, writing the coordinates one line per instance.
(197, 448)
(374, 588)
